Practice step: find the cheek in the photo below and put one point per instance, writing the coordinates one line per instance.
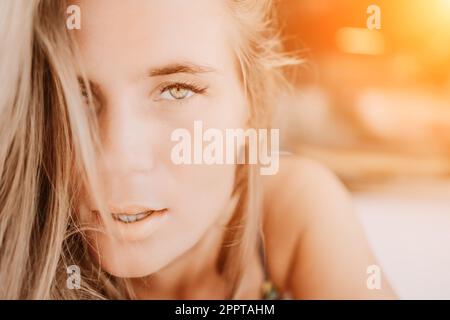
(204, 191)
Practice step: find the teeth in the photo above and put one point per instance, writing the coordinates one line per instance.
(129, 218)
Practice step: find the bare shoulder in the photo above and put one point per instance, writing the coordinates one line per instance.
(300, 192)
(301, 182)
(315, 246)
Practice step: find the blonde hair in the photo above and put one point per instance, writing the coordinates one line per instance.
(46, 140)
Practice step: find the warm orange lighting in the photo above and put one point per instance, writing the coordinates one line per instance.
(360, 41)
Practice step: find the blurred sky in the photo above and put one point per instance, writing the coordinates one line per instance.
(372, 104)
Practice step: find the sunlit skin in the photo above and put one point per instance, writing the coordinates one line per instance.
(156, 66)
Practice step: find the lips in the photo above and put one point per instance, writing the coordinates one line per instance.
(131, 218)
(133, 213)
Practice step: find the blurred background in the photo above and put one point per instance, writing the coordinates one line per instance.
(374, 106)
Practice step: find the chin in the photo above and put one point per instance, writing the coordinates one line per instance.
(129, 263)
(142, 259)
(129, 273)
(132, 269)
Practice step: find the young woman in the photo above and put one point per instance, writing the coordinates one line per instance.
(87, 178)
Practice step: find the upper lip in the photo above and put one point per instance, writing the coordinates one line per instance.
(133, 209)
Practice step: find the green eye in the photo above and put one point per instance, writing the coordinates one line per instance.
(176, 92)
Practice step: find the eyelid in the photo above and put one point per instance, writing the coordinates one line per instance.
(195, 88)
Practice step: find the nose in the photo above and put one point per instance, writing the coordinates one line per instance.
(126, 142)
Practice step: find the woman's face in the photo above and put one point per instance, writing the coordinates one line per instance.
(156, 66)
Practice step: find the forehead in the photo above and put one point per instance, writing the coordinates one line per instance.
(132, 33)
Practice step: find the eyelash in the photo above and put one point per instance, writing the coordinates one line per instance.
(196, 89)
(183, 85)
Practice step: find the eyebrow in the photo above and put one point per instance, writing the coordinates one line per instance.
(179, 68)
(169, 69)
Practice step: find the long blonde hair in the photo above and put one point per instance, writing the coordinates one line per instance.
(48, 146)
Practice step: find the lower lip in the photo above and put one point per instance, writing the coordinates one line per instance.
(142, 229)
